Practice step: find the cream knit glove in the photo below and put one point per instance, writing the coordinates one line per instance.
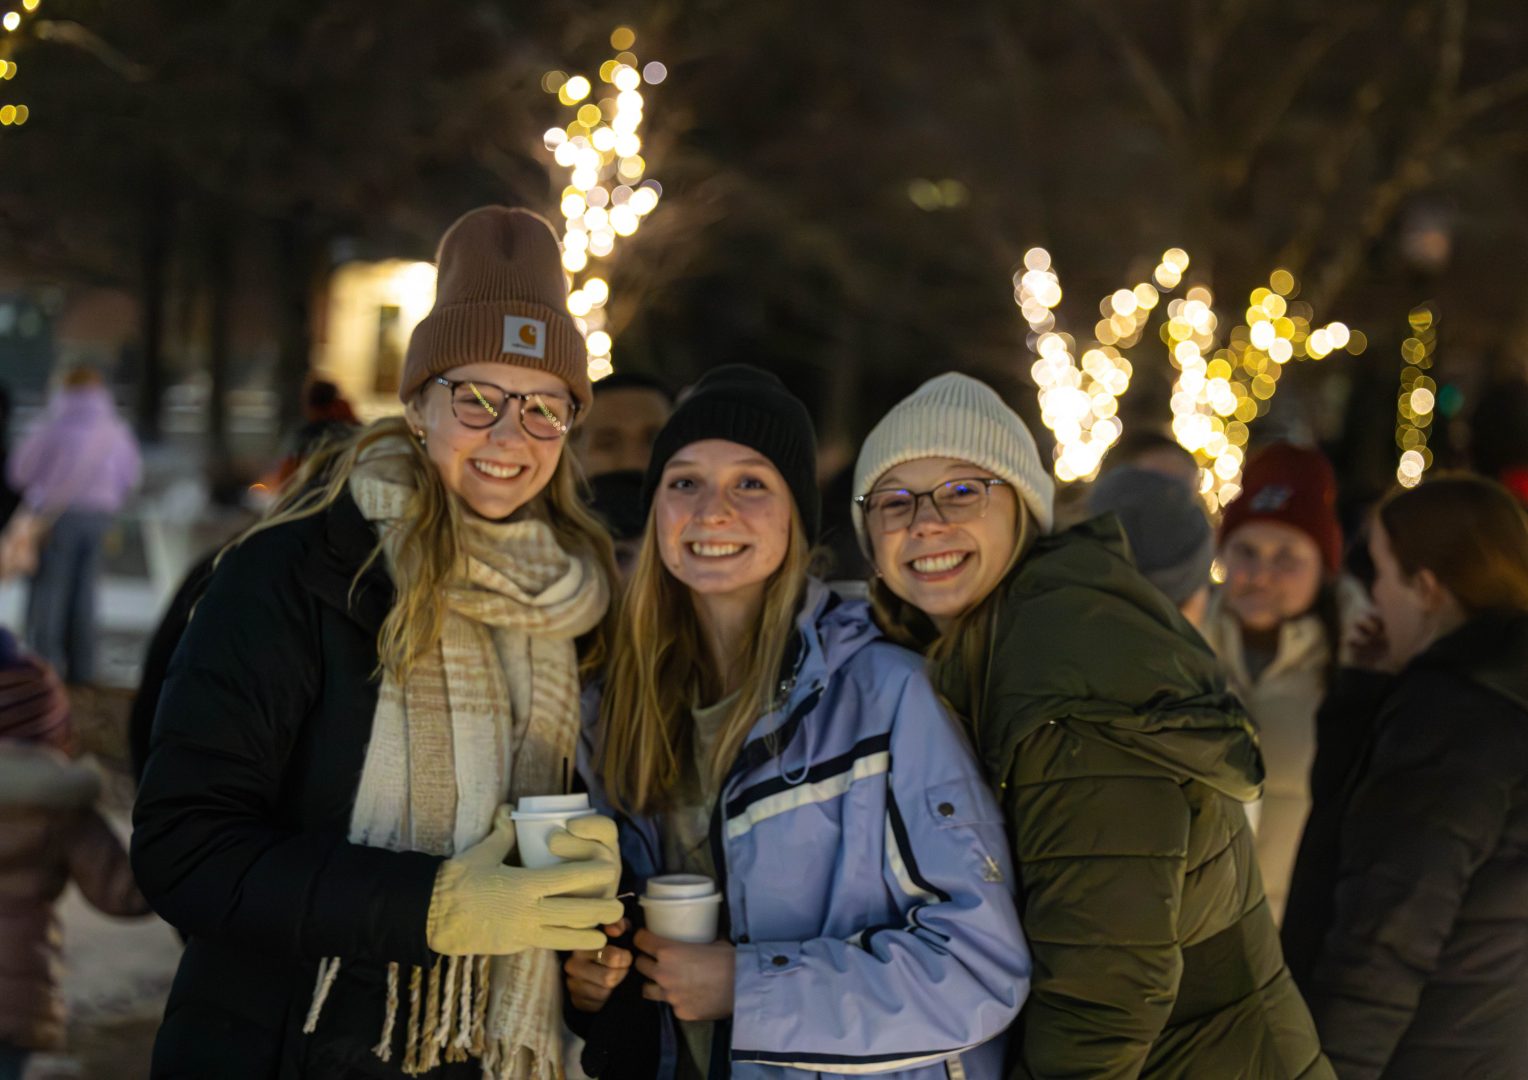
(480, 907)
(591, 838)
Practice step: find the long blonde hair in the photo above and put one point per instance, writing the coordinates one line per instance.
(659, 671)
(429, 547)
(958, 659)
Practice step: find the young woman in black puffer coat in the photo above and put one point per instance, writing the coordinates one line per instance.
(1408, 917)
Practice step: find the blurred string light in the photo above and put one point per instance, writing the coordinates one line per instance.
(607, 195)
(1218, 393)
(931, 195)
(13, 115)
(1417, 404)
(1079, 398)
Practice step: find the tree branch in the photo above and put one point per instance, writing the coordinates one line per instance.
(1148, 79)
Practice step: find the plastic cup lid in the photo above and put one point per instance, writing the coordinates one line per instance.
(680, 887)
(545, 804)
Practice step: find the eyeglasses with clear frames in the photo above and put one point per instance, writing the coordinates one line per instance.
(481, 405)
(891, 510)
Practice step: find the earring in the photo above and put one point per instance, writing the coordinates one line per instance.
(420, 436)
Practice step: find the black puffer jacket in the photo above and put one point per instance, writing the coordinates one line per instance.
(1423, 971)
(240, 828)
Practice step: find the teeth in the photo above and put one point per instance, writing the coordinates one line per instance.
(715, 551)
(498, 472)
(936, 564)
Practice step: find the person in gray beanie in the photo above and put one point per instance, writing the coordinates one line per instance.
(1170, 535)
(1120, 759)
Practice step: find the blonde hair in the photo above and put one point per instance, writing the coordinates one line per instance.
(427, 551)
(959, 658)
(659, 671)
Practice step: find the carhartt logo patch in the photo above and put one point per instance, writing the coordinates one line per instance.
(524, 337)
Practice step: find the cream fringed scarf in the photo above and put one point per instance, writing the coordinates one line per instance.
(490, 714)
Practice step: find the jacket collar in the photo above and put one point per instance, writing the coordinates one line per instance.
(344, 543)
(1488, 650)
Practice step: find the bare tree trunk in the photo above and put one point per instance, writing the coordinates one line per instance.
(158, 209)
(219, 255)
(298, 253)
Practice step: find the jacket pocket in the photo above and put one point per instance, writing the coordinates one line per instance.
(961, 802)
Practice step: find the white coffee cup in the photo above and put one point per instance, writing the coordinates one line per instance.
(549, 804)
(536, 817)
(679, 887)
(682, 907)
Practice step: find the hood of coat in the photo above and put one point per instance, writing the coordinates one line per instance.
(1491, 650)
(1082, 639)
(38, 777)
(82, 404)
(830, 631)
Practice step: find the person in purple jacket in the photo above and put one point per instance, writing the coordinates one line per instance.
(74, 470)
(759, 730)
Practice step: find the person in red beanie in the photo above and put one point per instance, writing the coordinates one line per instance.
(1276, 624)
(50, 834)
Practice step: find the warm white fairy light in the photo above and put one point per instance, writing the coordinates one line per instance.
(1416, 405)
(1079, 396)
(1218, 393)
(13, 115)
(608, 194)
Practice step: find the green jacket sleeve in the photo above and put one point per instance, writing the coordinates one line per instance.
(1101, 858)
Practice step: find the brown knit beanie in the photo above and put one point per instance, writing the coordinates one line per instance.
(500, 296)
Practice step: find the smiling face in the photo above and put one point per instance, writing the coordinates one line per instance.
(723, 519)
(1273, 573)
(944, 568)
(494, 471)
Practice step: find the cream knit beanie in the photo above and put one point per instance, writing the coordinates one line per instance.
(954, 415)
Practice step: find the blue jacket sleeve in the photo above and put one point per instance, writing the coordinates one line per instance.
(950, 975)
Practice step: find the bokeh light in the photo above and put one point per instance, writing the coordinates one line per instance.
(602, 150)
(1417, 401)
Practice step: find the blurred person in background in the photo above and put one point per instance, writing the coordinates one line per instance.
(326, 416)
(1408, 916)
(74, 470)
(9, 498)
(618, 436)
(1277, 626)
(50, 835)
(1155, 452)
(1170, 535)
(617, 501)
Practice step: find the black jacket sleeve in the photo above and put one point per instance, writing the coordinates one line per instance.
(1344, 732)
(210, 848)
(1429, 809)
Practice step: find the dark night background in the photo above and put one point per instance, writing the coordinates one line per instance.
(213, 161)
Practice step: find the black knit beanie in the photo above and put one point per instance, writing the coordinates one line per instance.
(751, 407)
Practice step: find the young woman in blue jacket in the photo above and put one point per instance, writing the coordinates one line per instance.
(757, 729)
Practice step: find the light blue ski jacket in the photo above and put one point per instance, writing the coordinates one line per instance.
(866, 876)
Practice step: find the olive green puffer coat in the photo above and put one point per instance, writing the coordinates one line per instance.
(1122, 764)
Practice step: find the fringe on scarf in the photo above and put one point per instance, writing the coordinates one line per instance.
(448, 1013)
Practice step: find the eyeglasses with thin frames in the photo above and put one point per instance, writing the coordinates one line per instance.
(891, 510)
(481, 405)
